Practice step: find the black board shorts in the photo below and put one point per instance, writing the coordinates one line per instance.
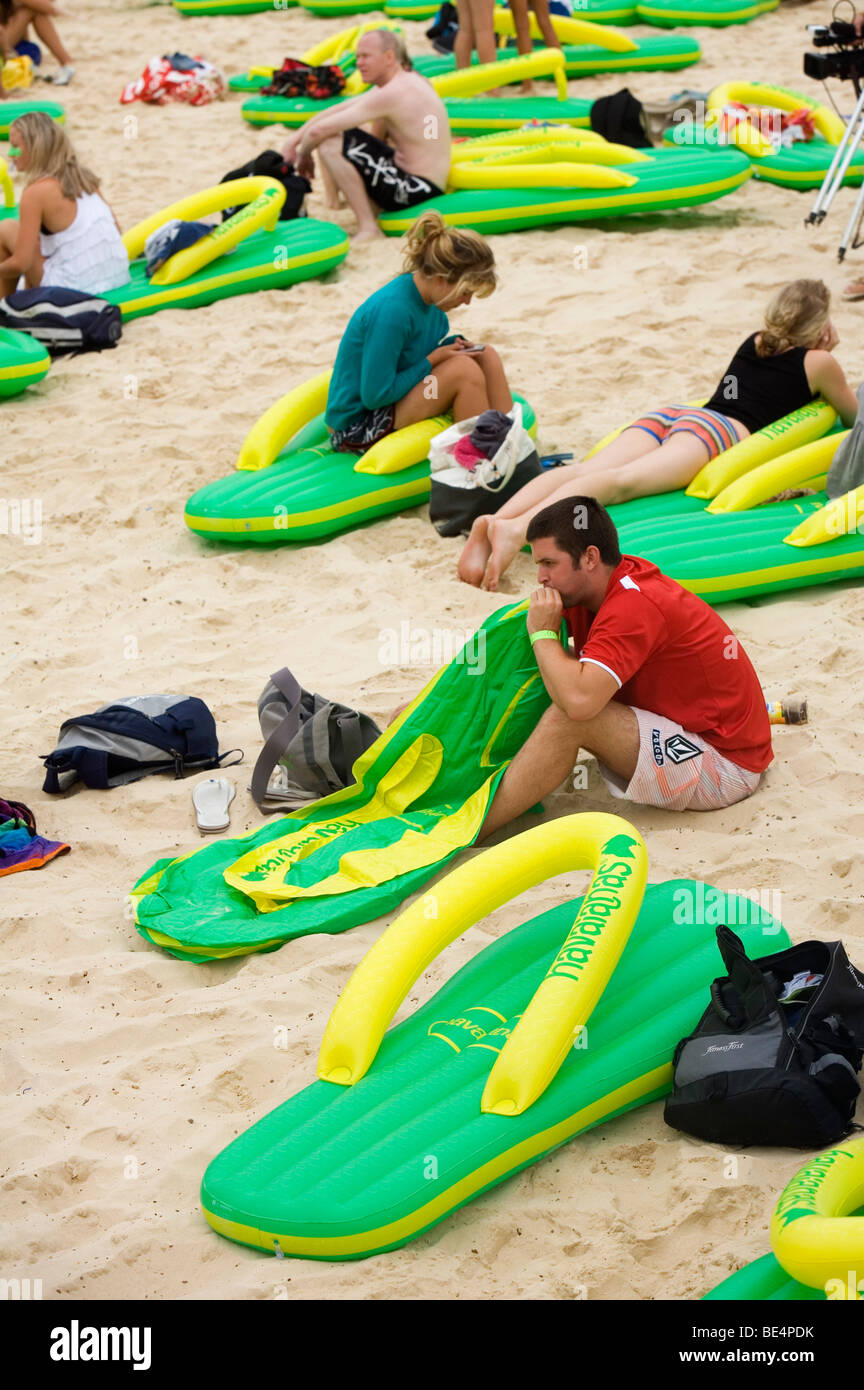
(387, 185)
(365, 431)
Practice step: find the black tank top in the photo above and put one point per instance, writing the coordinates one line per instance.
(759, 390)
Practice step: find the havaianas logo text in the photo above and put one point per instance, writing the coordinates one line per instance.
(805, 1186)
(293, 851)
(600, 902)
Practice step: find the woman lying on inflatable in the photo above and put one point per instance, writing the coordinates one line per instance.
(395, 366)
(774, 372)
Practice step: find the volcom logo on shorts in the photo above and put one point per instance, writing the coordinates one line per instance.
(679, 749)
(655, 745)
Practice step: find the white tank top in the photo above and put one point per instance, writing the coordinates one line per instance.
(89, 255)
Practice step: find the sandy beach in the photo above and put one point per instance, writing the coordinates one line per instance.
(125, 1070)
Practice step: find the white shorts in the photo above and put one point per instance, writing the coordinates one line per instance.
(679, 770)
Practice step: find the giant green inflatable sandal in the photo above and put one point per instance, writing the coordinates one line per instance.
(420, 796)
(291, 486)
(495, 1071)
(23, 362)
(11, 109)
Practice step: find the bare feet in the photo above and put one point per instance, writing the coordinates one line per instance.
(373, 233)
(854, 291)
(474, 557)
(505, 538)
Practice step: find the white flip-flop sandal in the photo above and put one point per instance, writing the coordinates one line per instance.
(211, 800)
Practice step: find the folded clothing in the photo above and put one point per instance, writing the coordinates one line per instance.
(171, 237)
(20, 847)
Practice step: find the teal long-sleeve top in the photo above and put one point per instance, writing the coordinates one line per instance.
(384, 351)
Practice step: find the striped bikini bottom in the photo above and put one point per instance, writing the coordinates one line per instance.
(716, 431)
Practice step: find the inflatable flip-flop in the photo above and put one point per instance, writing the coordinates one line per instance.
(508, 1061)
(588, 48)
(11, 110)
(252, 250)
(671, 14)
(211, 7)
(583, 181)
(421, 793)
(725, 539)
(466, 116)
(291, 486)
(803, 164)
(455, 85)
(23, 362)
(817, 1236)
(597, 12)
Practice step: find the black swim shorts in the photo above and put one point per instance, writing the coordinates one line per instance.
(365, 431)
(387, 185)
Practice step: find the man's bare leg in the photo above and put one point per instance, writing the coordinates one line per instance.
(548, 755)
(332, 197)
(348, 181)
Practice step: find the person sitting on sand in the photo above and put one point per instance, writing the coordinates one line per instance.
(657, 687)
(16, 16)
(65, 234)
(774, 372)
(401, 107)
(394, 365)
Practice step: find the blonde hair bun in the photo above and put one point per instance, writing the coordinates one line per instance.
(795, 317)
(459, 256)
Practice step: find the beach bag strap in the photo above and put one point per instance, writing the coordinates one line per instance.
(282, 736)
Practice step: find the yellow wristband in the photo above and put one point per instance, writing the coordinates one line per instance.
(535, 636)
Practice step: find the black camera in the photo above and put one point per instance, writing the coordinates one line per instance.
(847, 63)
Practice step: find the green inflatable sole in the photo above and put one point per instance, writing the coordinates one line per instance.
(803, 165)
(308, 493)
(423, 787)
(661, 184)
(345, 1172)
(722, 556)
(23, 362)
(671, 14)
(658, 52)
(211, 7)
(764, 1281)
(297, 250)
(10, 110)
(468, 115)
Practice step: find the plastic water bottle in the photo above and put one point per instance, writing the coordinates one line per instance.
(786, 711)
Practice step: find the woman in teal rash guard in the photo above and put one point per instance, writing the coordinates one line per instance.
(395, 364)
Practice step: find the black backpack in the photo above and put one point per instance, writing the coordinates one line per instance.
(63, 320)
(131, 738)
(760, 1069)
(271, 165)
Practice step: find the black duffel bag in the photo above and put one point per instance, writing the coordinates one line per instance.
(776, 1055)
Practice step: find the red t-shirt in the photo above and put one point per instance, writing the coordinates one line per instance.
(673, 655)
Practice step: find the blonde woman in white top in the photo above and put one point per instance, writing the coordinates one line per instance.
(65, 233)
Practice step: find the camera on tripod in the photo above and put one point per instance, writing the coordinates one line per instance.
(847, 63)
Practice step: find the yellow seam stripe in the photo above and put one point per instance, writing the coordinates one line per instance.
(236, 277)
(419, 488)
(26, 369)
(621, 200)
(407, 1226)
(713, 586)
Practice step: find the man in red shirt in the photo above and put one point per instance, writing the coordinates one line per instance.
(657, 687)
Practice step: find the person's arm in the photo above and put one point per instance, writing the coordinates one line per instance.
(30, 211)
(380, 382)
(826, 376)
(360, 110)
(580, 689)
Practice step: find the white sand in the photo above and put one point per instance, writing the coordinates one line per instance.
(128, 1070)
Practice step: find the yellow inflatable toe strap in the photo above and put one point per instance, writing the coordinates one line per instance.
(562, 1003)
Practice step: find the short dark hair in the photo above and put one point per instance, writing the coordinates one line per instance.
(573, 524)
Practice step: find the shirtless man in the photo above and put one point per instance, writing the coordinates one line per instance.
(400, 108)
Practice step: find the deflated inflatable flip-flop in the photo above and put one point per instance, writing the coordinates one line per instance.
(817, 1236)
(420, 796)
(499, 1068)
